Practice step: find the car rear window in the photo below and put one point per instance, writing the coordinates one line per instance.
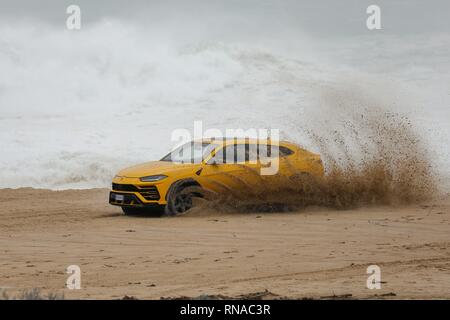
(285, 151)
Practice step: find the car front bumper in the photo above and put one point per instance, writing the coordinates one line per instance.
(135, 195)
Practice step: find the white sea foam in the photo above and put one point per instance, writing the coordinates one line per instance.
(77, 106)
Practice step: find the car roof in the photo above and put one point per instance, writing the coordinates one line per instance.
(228, 141)
(225, 141)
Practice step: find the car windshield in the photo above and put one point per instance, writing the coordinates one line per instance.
(191, 152)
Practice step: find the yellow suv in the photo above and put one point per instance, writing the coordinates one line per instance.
(212, 166)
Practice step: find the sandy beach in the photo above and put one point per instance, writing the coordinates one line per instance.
(314, 253)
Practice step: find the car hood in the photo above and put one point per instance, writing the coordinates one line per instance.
(153, 168)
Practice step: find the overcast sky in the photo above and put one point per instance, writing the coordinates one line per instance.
(322, 17)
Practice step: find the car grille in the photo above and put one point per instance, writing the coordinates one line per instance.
(128, 199)
(148, 192)
(124, 187)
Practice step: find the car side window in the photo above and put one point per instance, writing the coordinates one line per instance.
(252, 153)
(285, 151)
(264, 151)
(218, 157)
(221, 156)
(239, 153)
(235, 153)
(268, 151)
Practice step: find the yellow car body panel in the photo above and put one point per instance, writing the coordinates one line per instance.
(212, 177)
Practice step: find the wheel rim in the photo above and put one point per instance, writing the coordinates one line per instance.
(182, 203)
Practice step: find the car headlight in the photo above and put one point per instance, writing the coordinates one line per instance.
(153, 178)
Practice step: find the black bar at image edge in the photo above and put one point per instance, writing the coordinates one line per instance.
(224, 309)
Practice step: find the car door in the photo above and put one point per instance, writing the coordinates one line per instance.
(229, 170)
(246, 158)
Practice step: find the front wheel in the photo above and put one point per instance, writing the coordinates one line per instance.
(180, 199)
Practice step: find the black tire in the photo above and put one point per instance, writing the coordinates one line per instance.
(180, 198)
